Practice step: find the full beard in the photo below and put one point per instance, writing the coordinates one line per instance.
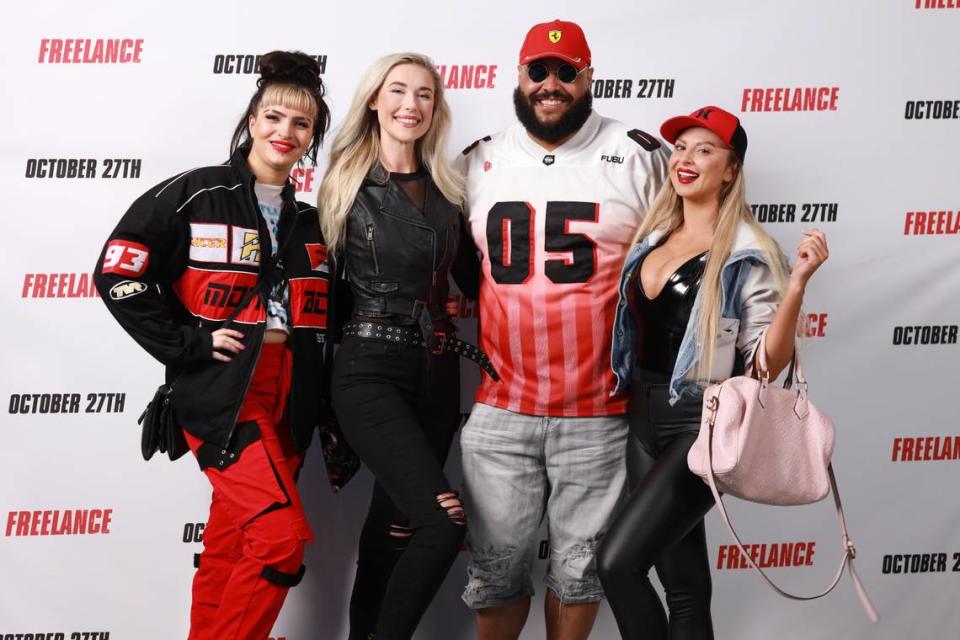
(568, 124)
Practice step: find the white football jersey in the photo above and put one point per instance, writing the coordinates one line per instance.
(553, 228)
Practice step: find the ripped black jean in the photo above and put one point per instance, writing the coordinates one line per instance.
(399, 407)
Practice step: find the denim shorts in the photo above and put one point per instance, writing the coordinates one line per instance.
(519, 469)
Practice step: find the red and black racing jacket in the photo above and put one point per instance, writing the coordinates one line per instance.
(183, 257)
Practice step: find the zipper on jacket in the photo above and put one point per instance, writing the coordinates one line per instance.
(435, 276)
(372, 243)
(246, 387)
(447, 242)
(433, 267)
(262, 296)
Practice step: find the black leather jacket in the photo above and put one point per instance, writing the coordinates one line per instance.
(397, 259)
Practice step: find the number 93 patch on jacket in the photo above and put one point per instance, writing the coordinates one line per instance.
(126, 258)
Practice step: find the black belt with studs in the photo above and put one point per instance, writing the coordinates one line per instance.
(441, 343)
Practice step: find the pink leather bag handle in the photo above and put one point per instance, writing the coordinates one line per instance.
(765, 370)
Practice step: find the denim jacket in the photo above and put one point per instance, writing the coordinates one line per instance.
(749, 298)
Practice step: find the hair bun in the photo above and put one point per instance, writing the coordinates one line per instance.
(294, 67)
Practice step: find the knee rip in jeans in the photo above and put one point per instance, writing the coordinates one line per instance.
(400, 536)
(582, 550)
(449, 501)
(579, 560)
(490, 568)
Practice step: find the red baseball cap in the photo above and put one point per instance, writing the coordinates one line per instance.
(723, 123)
(557, 39)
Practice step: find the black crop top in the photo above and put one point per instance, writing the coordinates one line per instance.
(662, 322)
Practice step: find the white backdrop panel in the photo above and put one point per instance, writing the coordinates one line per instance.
(868, 163)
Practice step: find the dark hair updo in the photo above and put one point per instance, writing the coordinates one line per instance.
(290, 79)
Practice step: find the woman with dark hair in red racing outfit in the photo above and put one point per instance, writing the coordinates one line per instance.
(222, 275)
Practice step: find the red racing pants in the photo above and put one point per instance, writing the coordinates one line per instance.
(253, 544)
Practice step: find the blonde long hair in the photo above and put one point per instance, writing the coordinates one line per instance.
(356, 148)
(666, 214)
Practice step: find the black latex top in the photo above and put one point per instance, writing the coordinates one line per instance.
(662, 322)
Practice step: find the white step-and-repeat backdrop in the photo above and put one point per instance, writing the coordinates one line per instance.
(853, 113)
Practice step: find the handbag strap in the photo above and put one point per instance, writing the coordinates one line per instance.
(257, 288)
(266, 278)
(794, 368)
(254, 291)
(849, 551)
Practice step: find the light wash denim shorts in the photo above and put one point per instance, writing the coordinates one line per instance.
(519, 469)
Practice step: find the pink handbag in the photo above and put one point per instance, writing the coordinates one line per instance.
(770, 445)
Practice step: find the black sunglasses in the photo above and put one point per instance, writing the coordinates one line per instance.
(566, 73)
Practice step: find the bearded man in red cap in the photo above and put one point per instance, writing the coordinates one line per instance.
(553, 203)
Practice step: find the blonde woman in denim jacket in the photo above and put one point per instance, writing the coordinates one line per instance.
(699, 286)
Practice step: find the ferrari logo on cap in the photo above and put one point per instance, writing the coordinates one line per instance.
(555, 35)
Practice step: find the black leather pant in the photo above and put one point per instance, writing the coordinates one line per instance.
(661, 525)
(399, 408)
